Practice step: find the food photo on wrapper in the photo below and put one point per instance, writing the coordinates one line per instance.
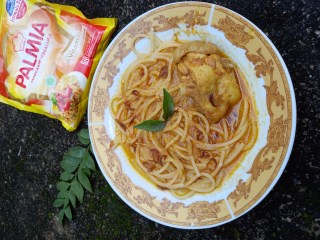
(175, 117)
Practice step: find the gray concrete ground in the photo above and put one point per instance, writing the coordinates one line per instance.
(32, 146)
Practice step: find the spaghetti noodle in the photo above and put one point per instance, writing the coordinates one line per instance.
(191, 154)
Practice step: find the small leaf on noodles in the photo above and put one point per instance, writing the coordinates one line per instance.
(167, 105)
(151, 125)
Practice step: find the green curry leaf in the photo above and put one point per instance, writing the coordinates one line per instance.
(152, 125)
(83, 136)
(167, 105)
(68, 213)
(77, 164)
(158, 125)
(58, 202)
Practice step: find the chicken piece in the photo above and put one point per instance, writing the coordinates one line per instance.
(194, 47)
(210, 79)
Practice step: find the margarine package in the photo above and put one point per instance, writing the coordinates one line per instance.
(48, 55)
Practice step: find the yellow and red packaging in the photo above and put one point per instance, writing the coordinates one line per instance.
(48, 56)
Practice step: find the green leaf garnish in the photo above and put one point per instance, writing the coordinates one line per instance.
(72, 198)
(67, 167)
(63, 186)
(70, 160)
(66, 202)
(151, 125)
(58, 202)
(62, 194)
(77, 189)
(88, 161)
(77, 164)
(158, 125)
(167, 105)
(76, 152)
(84, 180)
(61, 215)
(68, 213)
(83, 136)
(66, 176)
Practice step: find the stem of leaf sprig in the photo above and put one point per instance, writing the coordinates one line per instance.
(78, 166)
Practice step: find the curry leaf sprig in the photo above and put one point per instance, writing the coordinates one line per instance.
(78, 166)
(158, 125)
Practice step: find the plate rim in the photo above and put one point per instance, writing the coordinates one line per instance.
(292, 130)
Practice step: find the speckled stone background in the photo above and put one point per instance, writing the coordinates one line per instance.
(31, 148)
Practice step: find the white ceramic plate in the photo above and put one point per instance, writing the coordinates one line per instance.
(268, 79)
